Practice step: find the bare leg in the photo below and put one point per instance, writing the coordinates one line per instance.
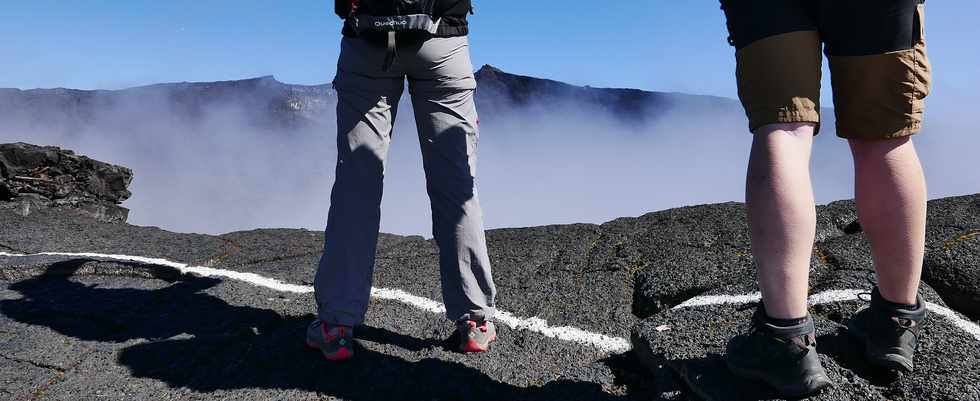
(782, 215)
(890, 190)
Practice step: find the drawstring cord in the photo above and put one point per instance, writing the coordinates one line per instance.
(392, 53)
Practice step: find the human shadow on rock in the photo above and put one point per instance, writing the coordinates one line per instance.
(630, 372)
(98, 313)
(198, 341)
(710, 377)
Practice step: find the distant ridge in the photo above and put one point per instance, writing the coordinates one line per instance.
(269, 102)
(498, 89)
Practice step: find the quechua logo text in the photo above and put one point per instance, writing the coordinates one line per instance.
(392, 23)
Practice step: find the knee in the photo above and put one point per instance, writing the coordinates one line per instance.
(877, 149)
(453, 193)
(362, 164)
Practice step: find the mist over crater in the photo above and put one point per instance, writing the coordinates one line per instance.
(215, 157)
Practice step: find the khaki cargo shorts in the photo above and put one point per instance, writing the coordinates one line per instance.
(878, 64)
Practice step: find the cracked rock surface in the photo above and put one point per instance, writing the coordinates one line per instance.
(81, 327)
(691, 341)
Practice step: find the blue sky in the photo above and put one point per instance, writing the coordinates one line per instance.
(648, 44)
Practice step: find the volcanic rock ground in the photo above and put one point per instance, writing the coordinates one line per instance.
(84, 328)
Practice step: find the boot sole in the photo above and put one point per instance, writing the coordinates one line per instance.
(471, 347)
(336, 357)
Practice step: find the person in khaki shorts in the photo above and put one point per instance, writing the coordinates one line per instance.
(880, 75)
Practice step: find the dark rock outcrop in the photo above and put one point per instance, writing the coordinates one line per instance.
(952, 264)
(34, 177)
(688, 251)
(690, 340)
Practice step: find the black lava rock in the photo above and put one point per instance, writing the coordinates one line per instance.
(48, 176)
(236, 340)
(691, 340)
(952, 264)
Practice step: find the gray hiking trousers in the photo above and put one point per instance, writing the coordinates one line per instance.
(442, 86)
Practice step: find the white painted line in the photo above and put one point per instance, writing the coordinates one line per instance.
(422, 303)
(705, 300)
(955, 319)
(832, 296)
(564, 333)
(252, 278)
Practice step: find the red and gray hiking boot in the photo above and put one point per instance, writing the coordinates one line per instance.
(336, 343)
(476, 336)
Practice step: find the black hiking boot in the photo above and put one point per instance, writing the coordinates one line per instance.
(888, 332)
(785, 358)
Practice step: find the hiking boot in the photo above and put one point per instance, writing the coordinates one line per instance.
(476, 336)
(888, 332)
(336, 343)
(785, 358)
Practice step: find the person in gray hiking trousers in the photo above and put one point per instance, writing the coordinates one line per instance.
(384, 42)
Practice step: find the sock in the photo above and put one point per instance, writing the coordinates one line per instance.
(786, 322)
(894, 305)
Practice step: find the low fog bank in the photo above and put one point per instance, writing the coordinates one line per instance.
(564, 163)
(949, 146)
(545, 166)
(583, 166)
(213, 173)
